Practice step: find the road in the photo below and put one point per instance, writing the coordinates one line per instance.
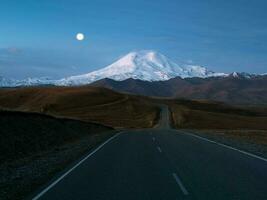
(161, 163)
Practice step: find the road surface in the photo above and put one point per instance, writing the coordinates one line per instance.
(161, 163)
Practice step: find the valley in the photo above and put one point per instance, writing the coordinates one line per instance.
(57, 125)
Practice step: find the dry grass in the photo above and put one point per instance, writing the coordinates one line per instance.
(236, 126)
(199, 115)
(83, 103)
(253, 136)
(254, 141)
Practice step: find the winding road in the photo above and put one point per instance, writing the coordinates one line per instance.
(161, 164)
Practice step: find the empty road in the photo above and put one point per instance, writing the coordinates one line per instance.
(161, 163)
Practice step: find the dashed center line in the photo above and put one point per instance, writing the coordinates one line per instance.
(159, 149)
(179, 182)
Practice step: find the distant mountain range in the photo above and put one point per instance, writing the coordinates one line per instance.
(143, 65)
(153, 74)
(235, 88)
(140, 65)
(4, 82)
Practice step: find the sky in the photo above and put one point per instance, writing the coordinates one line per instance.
(37, 38)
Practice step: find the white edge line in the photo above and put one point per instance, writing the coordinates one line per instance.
(159, 149)
(226, 146)
(75, 166)
(179, 182)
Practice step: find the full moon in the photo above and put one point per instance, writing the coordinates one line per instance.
(80, 36)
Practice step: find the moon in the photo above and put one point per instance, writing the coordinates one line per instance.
(80, 36)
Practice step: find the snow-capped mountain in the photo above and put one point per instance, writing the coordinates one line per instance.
(243, 75)
(143, 65)
(4, 82)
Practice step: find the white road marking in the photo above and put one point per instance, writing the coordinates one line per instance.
(179, 182)
(226, 146)
(75, 166)
(159, 149)
(153, 139)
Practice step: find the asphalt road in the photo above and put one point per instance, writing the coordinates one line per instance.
(164, 164)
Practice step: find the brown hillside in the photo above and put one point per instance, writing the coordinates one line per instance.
(83, 103)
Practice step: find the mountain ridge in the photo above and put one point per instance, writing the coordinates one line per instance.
(231, 89)
(145, 65)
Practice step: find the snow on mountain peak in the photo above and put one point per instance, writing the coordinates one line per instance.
(145, 65)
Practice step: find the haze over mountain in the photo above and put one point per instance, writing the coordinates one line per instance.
(146, 65)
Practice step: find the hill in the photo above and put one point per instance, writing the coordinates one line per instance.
(35, 147)
(86, 103)
(215, 115)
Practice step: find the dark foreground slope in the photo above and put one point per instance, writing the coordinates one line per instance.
(234, 90)
(21, 134)
(84, 103)
(34, 147)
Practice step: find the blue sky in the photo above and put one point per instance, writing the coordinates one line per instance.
(37, 38)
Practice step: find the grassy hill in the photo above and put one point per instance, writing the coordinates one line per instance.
(86, 103)
(215, 115)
